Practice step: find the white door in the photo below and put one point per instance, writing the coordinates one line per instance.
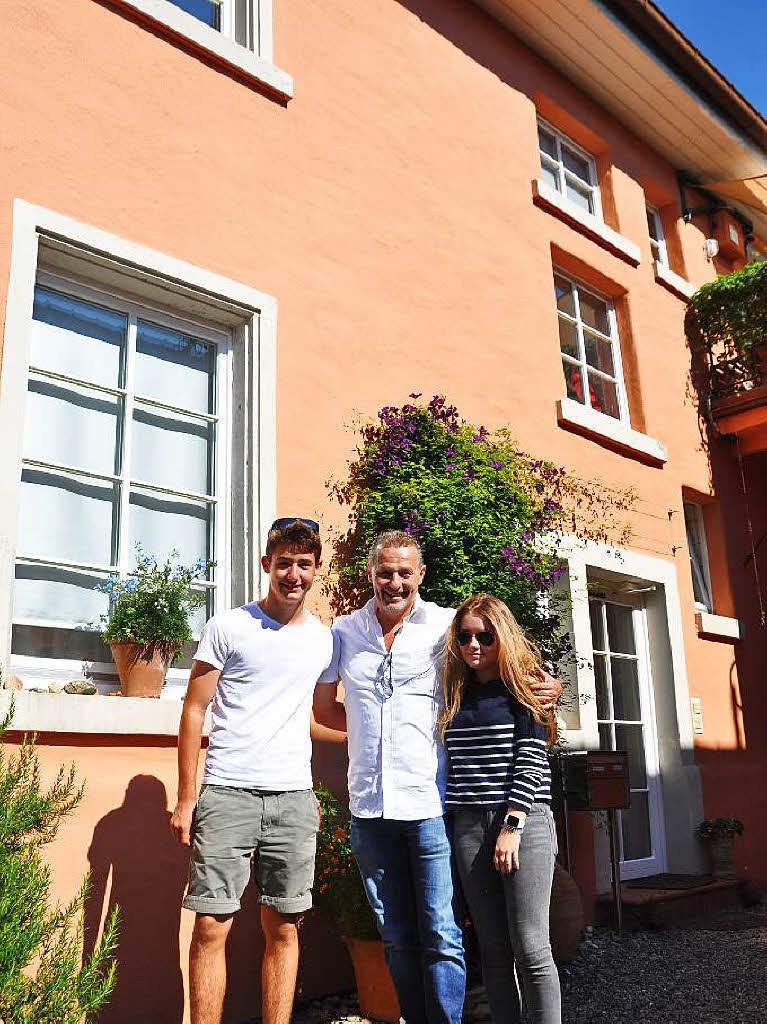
(626, 717)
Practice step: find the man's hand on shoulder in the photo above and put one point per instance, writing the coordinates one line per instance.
(181, 822)
(546, 688)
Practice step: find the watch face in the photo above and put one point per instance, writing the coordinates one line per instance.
(511, 821)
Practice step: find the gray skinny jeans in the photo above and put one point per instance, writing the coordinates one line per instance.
(511, 912)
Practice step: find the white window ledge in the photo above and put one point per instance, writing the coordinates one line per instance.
(546, 196)
(604, 428)
(678, 285)
(96, 715)
(202, 37)
(717, 627)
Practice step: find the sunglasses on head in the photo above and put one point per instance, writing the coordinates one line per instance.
(281, 524)
(484, 637)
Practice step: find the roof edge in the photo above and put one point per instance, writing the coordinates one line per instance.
(662, 36)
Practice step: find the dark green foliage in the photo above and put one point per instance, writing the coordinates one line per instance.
(42, 977)
(338, 892)
(152, 605)
(713, 828)
(728, 317)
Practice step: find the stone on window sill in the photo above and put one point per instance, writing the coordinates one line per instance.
(572, 415)
(547, 197)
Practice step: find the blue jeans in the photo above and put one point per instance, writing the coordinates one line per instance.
(407, 874)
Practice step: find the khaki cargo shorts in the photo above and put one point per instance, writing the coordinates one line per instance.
(233, 827)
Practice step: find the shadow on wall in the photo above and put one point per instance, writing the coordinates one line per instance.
(148, 870)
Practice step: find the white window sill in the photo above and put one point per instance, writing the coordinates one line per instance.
(546, 196)
(226, 51)
(678, 285)
(717, 627)
(96, 715)
(573, 415)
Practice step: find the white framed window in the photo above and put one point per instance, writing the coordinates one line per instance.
(696, 544)
(237, 19)
(569, 169)
(657, 238)
(588, 339)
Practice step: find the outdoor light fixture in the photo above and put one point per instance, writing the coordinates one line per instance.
(711, 247)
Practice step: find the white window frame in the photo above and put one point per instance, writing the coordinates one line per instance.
(613, 339)
(92, 260)
(701, 573)
(134, 312)
(657, 243)
(557, 166)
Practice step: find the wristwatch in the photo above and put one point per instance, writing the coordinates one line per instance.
(511, 823)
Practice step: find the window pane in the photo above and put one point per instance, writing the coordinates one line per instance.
(564, 292)
(206, 11)
(625, 675)
(546, 142)
(197, 620)
(67, 519)
(599, 353)
(604, 395)
(581, 195)
(620, 629)
(77, 338)
(606, 738)
(174, 368)
(600, 676)
(162, 524)
(172, 450)
(576, 164)
(635, 828)
(568, 338)
(45, 594)
(573, 381)
(56, 642)
(652, 225)
(594, 311)
(243, 29)
(631, 739)
(550, 176)
(597, 626)
(71, 426)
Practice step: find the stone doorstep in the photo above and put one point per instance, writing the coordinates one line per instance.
(667, 907)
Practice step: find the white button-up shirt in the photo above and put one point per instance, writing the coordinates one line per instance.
(397, 765)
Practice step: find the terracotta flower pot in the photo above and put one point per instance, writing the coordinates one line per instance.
(375, 989)
(565, 916)
(721, 852)
(141, 668)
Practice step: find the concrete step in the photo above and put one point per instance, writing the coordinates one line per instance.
(665, 908)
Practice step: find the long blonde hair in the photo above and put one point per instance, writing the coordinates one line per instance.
(518, 661)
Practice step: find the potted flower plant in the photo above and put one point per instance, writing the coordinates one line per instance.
(719, 834)
(340, 899)
(148, 621)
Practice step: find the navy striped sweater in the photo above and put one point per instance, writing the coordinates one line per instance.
(496, 751)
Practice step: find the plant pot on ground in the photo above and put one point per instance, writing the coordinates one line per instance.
(148, 621)
(719, 836)
(340, 899)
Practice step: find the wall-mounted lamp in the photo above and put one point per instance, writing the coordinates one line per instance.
(711, 248)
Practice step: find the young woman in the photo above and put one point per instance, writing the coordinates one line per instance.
(499, 793)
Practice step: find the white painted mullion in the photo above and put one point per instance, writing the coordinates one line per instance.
(222, 482)
(262, 13)
(623, 405)
(560, 167)
(123, 552)
(581, 348)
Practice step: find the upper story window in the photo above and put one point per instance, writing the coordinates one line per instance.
(569, 169)
(657, 238)
(236, 19)
(588, 338)
(696, 543)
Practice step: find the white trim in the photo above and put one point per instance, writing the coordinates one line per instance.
(257, 67)
(657, 245)
(674, 282)
(572, 414)
(554, 202)
(718, 627)
(701, 573)
(563, 172)
(252, 317)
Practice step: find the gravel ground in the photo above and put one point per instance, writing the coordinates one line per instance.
(713, 972)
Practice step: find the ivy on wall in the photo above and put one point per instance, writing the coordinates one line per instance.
(727, 317)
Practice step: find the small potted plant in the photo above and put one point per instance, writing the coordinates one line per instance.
(148, 621)
(340, 899)
(719, 834)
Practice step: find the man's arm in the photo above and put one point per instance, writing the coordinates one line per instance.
(546, 688)
(328, 710)
(202, 685)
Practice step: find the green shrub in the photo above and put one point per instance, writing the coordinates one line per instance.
(42, 977)
(728, 316)
(715, 828)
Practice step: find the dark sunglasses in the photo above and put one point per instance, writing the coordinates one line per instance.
(280, 524)
(484, 636)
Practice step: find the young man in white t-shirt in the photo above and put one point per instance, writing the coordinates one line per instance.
(259, 664)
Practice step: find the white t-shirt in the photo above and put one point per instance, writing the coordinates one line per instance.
(262, 706)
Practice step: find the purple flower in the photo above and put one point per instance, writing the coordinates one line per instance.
(481, 435)
(497, 465)
(449, 466)
(415, 395)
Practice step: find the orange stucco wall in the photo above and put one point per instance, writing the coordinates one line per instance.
(388, 209)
